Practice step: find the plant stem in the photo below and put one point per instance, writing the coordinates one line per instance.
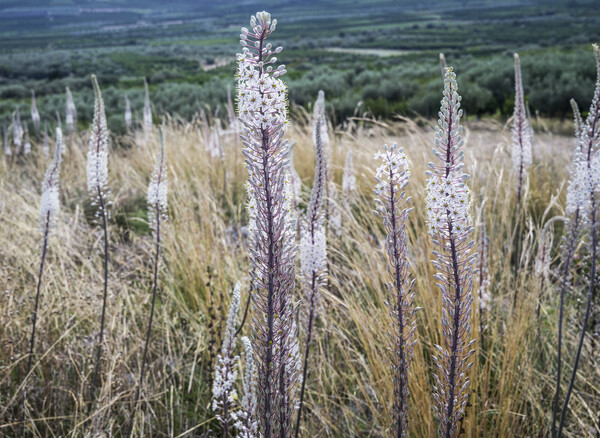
(311, 317)
(588, 308)
(34, 317)
(101, 340)
(148, 330)
(563, 287)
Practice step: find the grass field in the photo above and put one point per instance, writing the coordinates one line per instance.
(205, 253)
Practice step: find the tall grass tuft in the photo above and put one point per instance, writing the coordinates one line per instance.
(49, 208)
(584, 189)
(97, 181)
(313, 244)
(157, 215)
(262, 111)
(448, 200)
(392, 178)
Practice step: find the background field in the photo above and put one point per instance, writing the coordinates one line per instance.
(379, 54)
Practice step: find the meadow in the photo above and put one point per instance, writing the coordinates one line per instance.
(209, 253)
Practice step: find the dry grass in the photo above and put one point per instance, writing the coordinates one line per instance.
(349, 388)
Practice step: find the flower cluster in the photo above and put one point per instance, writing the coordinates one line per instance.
(392, 177)
(35, 114)
(447, 196)
(246, 423)
(147, 110)
(157, 190)
(70, 112)
(262, 111)
(97, 157)
(50, 203)
(448, 200)
(127, 114)
(313, 251)
(224, 393)
(521, 131)
(348, 178)
(449, 221)
(27, 145)
(17, 129)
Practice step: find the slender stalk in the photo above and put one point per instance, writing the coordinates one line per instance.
(149, 328)
(306, 353)
(588, 308)
(34, 316)
(563, 287)
(105, 294)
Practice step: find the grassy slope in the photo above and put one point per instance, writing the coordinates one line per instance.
(349, 389)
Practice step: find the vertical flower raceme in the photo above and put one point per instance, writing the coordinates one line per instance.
(313, 240)
(246, 423)
(448, 205)
(35, 115)
(583, 200)
(392, 177)
(224, 393)
(49, 208)
(97, 180)
(348, 178)
(147, 111)
(262, 111)
(127, 114)
(521, 134)
(70, 112)
(27, 144)
(17, 129)
(321, 135)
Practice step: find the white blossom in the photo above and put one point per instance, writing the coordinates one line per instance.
(35, 115)
(157, 189)
(70, 112)
(224, 392)
(521, 131)
(97, 157)
(348, 177)
(127, 114)
(50, 203)
(246, 422)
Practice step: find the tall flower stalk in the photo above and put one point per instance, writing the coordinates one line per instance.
(127, 116)
(521, 134)
(147, 112)
(262, 111)
(313, 243)
(157, 216)
(70, 112)
(224, 393)
(448, 204)
(587, 175)
(35, 114)
(49, 208)
(348, 178)
(576, 206)
(392, 177)
(97, 180)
